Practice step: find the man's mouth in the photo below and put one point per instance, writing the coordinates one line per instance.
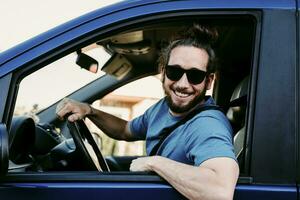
(181, 94)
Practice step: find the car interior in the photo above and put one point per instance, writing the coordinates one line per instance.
(134, 49)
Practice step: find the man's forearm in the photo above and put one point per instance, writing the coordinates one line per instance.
(111, 125)
(193, 182)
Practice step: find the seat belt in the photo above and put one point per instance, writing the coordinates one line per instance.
(168, 130)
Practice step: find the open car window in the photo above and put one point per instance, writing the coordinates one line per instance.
(126, 84)
(127, 102)
(48, 85)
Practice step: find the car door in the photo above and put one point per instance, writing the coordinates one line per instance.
(272, 163)
(255, 24)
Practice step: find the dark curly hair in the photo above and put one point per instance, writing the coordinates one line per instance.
(197, 36)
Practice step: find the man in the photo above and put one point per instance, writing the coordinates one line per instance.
(197, 158)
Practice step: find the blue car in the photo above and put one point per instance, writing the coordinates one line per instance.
(94, 57)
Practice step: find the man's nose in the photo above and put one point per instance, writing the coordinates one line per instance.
(183, 82)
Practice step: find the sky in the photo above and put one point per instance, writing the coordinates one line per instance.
(21, 20)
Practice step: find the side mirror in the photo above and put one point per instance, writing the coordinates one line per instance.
(87, 62)
(3, 149)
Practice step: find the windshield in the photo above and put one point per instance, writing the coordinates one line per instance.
(46, 86)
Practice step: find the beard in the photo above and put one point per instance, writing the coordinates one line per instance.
(184, 108)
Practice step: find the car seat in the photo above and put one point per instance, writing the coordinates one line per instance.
(236, 114)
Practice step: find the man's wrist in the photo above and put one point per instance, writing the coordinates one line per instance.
(91, 110)
(155, 162)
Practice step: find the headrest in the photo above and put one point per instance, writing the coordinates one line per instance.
(237, 106)
(239, 95)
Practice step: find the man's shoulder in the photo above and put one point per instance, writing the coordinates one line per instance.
(210, 119)
(212, 115)
(210, 109)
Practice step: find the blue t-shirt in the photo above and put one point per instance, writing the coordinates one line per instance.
(207, 135)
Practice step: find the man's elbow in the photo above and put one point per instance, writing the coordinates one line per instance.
(221, 193)
(215, 196)
(127, 134)
(226, 195)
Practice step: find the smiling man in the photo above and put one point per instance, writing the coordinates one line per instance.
(188, 140)
(185, 72)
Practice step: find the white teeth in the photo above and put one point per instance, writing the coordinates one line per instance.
(180, 94)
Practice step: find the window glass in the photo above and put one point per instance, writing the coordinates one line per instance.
(127, 103)
(46, 86)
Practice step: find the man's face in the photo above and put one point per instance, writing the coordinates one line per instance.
(182, 95)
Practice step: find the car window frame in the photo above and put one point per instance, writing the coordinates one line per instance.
(50, 56)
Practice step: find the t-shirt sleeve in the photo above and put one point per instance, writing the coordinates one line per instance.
(138, 126)
(208, 137)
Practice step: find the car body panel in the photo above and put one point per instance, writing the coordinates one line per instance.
(274, 179)
(265, 192)
(283, 54)
(134, 190)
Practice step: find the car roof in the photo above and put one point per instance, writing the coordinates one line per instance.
(176, 5)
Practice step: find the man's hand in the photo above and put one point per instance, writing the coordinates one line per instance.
(144, 163)
(76, 109)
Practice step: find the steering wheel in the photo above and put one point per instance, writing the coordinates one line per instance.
(86, 146)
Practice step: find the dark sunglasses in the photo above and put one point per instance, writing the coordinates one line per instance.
(194, 76)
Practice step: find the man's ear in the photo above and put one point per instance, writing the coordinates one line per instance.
(209, 80)
(162, 71)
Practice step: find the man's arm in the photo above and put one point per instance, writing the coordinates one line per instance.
(113, 126)
(213, 179)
